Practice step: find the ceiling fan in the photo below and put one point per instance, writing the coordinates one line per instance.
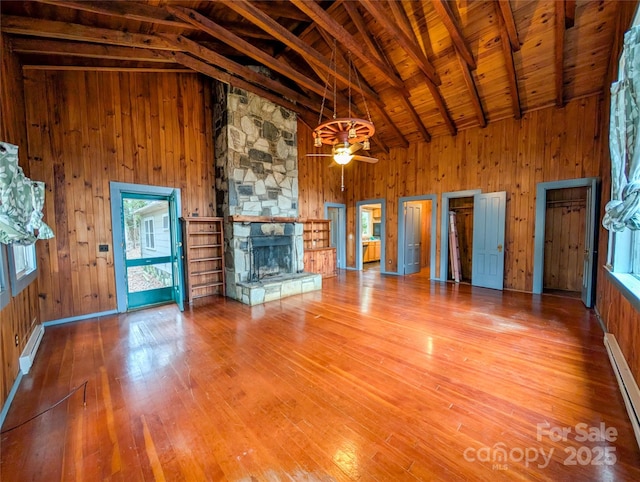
(343, 153)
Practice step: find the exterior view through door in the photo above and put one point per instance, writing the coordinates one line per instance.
(147, 245)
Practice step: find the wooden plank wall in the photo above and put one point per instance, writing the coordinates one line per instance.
(619, 316)
(508, 155)
(89, 128)
(21, 314)
(317, 182)
(564, 239)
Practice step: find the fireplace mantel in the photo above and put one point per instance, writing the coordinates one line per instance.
(262, 219)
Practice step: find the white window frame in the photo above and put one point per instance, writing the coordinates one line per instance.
(19, 280)
(369, 232)
(5, 295)
(149, 235)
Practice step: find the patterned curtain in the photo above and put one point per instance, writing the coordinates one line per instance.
(21, 202)
(623, 211)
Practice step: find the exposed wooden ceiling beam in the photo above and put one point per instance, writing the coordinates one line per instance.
(509, 23)
(197, 50)
(27, 45)
(269, 25)
(569, 13)
(399, 138)
(356, 18)
(450, 22)
(401, 19)
(435, 93)
(511, 69)
(129, 10)
(225, 77)
(382, 18)
(285, 11)
(559, 53)
(99, 68)
(473, 92)
(326, 22)
(212, 28)
(70, 31)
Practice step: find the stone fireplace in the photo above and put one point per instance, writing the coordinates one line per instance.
(257, 194)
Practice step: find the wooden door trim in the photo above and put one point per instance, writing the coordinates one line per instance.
(341, 249)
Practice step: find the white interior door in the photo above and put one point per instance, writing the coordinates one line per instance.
(412, 238)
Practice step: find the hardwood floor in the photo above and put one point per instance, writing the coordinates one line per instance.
(373, 378)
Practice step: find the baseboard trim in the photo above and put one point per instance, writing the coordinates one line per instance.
(628, 386)
(71, 319)
(31, 349)
(10, 397)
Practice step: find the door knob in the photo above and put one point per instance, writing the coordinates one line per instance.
(499, 248)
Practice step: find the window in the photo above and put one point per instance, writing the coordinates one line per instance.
(4, 277)
(635, 254)
(23, 267)
(367, 225)
(165, 222)
(149, 239)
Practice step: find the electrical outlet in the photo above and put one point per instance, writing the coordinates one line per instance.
(17, 339)
(103, 248)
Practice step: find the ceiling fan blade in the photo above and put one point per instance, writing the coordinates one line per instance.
(370, 160)
(355, 147)
(318, 155)
(333, 164)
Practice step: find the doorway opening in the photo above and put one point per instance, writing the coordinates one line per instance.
(567, 195)
(147, 246)
(337, 215)
(564, 241)
(462, 219)
(416, 238)
(370, 235)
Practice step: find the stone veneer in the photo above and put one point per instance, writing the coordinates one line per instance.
(257, 175)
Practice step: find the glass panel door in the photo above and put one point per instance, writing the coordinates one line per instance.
(148, 249)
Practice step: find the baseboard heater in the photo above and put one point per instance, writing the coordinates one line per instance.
(29, 352)
(628, 385)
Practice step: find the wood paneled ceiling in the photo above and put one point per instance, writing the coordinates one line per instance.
(426, 68)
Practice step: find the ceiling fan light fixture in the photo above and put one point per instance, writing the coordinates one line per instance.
(342, 156)
(353, 133)
(366, 144)
(317, 140)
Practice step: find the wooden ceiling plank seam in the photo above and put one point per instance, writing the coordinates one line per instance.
(399, 135)
(569, 13)
(559, 52)
(416, 119)
(203, 53)
(71, 31)
(322, 19)
(356, 19)
(139, 12)
(473, 92)
(401, 20)
(269, 25)
(511, 73)
(227, 78)
(416, 54)
(450, 22)
(28, 45)
(509, 23)
(214, 29)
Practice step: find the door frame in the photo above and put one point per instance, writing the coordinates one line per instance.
(444, 227)
(541, 218)
(434, 222)
(383, 233)
(117, 189)
(342, 231)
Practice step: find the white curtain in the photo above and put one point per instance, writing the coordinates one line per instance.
(21, 202)
(623, 211)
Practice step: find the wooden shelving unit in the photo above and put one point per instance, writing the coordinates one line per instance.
(319, 256)
(203, 241)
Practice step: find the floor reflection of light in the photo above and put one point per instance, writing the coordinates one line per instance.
(365, 299)
(429, 346)
(346, 458)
